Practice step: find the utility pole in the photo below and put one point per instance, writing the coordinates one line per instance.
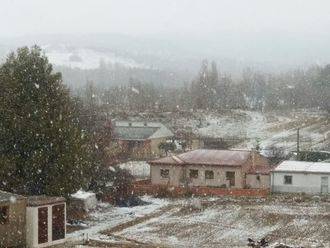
(298, 155)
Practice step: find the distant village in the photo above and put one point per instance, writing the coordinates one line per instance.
(173, 169)
(75, 174)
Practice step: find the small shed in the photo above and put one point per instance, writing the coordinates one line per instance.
(83, 201)
(301, 177)
(12, 220)
(45, 221)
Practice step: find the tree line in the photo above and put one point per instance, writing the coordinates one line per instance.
(214, 90)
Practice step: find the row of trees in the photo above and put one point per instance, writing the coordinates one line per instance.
(214, 90)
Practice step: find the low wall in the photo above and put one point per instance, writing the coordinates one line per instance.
(150, 189)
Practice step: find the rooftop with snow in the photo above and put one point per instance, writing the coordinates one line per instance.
(303, 166)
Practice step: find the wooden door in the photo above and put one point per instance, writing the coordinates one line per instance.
(324, 185)
(58, 226)
(42, 225)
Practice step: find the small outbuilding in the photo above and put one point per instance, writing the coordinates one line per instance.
(83, 201)
(12, 220)
(301, 177)
(45, 221)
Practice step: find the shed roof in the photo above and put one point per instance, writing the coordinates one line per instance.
(207, 157)
(127, 130)
(40, 200)
(302, 166)
(9, 197)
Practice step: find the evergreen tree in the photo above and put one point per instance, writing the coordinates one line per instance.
(42, 148)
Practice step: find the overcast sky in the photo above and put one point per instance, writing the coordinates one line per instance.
(294, 32)
(194, 17)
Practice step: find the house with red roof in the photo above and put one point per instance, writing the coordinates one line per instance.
(214, 168)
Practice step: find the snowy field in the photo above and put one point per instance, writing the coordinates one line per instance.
(271, 128)
(212, 222)
(84, 58)
(106, 216)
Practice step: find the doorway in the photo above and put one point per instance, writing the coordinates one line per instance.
(324, 185)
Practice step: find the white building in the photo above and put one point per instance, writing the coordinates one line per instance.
(45, 221)
(302, 177)
(83, 201)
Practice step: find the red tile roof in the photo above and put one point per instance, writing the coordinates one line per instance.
(207, 157)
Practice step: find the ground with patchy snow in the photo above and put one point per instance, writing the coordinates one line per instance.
(213, 222)
(271, 128)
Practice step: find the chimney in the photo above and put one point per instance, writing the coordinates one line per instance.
(129, 124)
(253, 159)
(145, 124)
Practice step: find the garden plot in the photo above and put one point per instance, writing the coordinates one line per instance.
(230, 224)
(107, 216)
(211, 222)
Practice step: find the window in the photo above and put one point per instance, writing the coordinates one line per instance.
(4, 213)
(209, 174)
(193, 173)
(230, 176)
(287, 179)
(164, 173)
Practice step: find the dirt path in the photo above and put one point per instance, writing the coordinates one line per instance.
(138, 220)
(126, 242)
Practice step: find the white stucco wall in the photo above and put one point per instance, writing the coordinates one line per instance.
(253, 182)
(32, 227)
(176, 176)
(309, 183)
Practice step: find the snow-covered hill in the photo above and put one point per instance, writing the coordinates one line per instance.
(86, 58)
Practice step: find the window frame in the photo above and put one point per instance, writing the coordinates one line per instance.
(193, 173)
(285, 181)
(207, 174)
(164, 175)
(4, 215)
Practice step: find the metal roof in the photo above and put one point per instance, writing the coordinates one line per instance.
(302, 166)
(126, 130)
(207, 157)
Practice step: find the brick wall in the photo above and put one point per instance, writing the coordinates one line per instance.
(140, 189)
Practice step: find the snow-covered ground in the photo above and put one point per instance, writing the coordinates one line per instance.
(107, 216)
(85, 58)
(214, 222)
(231, 224)
(270, 128)
(139, 169)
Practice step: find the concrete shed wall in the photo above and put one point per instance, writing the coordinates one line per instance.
(12, 234)
(301, 182)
